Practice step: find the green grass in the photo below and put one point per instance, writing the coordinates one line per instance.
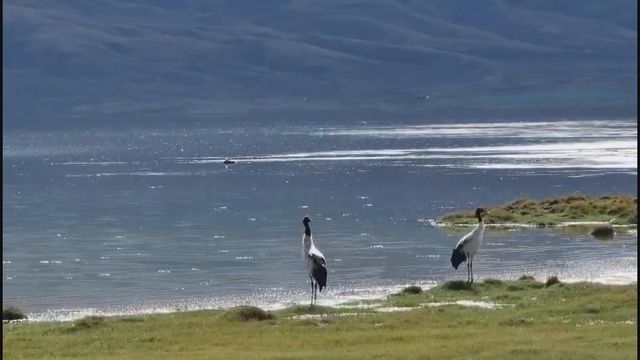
(553, 211)
(534, 321)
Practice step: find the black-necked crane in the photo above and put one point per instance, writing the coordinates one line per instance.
(316, 262)
(468, 246)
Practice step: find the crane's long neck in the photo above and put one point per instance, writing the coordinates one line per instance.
(307, 241)
(480, 227)
(480, 223)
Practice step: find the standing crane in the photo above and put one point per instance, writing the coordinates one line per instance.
(468, 246)
(316, 262)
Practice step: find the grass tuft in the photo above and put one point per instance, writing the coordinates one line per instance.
(88, 322)
(552, 280)
(457, 285)
(12, 313)
(493, 282)
(248, 313)
(413, 289)
(526, 278)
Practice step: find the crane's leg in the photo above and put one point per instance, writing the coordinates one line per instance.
(468, 278)
(315, 293)
(311, 291)
(471, 267)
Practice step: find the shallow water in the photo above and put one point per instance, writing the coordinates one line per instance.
(151, 220)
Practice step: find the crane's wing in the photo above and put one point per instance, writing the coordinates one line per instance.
(317, 259)
(458, 255)
(457, 258)
(465, 240)
(318, 270)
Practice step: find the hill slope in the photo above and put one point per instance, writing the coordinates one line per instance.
(75, 62)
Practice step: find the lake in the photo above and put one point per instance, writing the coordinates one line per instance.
(150, 220)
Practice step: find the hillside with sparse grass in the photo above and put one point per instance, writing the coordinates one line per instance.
(518, 319)
(73, 63)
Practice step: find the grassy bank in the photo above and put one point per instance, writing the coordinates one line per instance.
(529, 320)
(554, 211)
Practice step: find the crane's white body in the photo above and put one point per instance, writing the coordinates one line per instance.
(471, 242)
(309, 250)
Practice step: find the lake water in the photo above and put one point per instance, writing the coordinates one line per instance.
(136, 221)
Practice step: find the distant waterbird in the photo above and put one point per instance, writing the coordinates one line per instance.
(316, 263)
(228, 162)
(468, 246)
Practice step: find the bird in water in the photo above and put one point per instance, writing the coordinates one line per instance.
(316, 263)
(468, 246)
(228, 162)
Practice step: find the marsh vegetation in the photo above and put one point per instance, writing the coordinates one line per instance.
(576, 208)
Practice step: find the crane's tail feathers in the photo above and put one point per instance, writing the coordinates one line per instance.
(457, 258)
(319, 273)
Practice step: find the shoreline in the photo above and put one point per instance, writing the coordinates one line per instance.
(517, 319)
(376, 295)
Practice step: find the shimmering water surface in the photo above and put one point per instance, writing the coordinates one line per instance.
(151, 220)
